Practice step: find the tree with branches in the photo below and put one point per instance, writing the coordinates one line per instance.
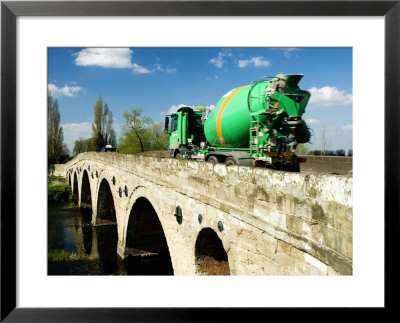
(57, 150)
(140, 134)
(102, 126)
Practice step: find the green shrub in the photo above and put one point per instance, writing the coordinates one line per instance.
(58, 193)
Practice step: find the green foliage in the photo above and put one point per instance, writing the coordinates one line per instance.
(61, 255)
(59, 193)
(159, 140)
(134, 137)
(55, 179)
(302, 149)
(83, 145)
(128, 144)
(102, 131)
(140, 134)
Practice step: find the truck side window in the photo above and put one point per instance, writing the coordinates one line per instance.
(174, 122)
(199, 124)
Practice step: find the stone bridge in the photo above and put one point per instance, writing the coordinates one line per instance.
(209, 219)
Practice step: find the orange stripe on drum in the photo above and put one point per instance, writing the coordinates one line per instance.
(221, 111)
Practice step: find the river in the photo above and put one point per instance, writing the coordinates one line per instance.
(77, 248)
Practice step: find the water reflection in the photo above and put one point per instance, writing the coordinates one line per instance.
(95, 246)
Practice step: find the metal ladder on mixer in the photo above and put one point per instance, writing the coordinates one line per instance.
(254, 149)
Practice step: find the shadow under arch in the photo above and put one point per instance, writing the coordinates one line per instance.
(86, 194)
(105, 205)
(75, 193)
(210, 255)
(106, 231)
(146, 244)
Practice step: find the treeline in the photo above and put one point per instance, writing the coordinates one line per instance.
(339, 152)
(302, 150)
(139, 133)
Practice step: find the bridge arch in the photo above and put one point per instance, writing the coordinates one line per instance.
(210, 255)
(75, 190)
(105, 208)
(145, 233)
(86, 192)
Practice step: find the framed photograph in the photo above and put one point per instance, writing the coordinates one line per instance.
(39, 39)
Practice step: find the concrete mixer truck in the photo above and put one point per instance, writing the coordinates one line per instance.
(254, 125)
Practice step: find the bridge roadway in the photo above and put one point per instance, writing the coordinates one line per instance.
(210, 219)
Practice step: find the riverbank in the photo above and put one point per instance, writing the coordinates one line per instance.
(58, 190)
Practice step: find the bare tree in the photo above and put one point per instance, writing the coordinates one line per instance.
(324, 139)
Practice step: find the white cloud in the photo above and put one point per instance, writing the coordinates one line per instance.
(329, 96)
(347, 127)
(209, 78)
(108, 58)
(74, 131)
(257, 61)
(64, 91)
(288, 52)
(140, 69)
(313, 122)
(168, 69)
(219, 61)
(175, 108)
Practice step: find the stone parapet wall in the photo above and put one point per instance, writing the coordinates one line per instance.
(274, 222)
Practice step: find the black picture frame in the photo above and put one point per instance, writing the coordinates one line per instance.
(10, 10)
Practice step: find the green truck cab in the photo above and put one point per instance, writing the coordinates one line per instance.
(186, 131)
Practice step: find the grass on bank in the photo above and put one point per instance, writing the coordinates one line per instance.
(61, 255)
(55, 255)
(58, 190)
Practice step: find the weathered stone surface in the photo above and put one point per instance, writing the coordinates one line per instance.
(274, 223)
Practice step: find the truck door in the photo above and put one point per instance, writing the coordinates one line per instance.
(174, 132)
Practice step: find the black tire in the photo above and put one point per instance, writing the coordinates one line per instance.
(178, 156)
(295, 168)
(213, 160)
(230, 161)
(290, 167)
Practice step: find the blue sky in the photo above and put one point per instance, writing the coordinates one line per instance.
(158, 80)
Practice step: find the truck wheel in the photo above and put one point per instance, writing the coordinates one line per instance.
(295, 167)
(178, 156)
(230, 161)
(213, 160)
